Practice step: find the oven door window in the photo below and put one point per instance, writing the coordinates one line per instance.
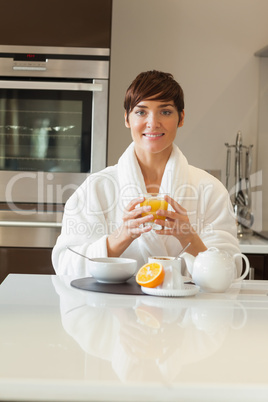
(45, 130)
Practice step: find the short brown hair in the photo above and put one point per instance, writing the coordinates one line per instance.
(155, 85)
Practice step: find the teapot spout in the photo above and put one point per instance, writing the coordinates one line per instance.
(189, 261)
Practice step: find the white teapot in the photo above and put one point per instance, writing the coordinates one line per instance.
(214, 270)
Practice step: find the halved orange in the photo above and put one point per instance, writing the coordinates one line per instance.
(150, 275)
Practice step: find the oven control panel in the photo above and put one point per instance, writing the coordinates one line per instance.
(29, 62)
(29, 66)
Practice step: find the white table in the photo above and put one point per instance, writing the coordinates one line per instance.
(58, 343)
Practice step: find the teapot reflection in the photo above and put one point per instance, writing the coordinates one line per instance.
(143, 337)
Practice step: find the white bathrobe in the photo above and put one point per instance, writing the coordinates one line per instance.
(96, 208)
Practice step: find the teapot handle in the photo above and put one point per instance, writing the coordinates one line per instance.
(243, 318)
(246, 269)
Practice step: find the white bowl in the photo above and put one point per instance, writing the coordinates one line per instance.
(112, 270)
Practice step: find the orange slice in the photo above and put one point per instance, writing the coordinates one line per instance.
(149, 316)
(150, 275)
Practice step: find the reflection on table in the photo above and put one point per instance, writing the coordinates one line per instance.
(146, 337)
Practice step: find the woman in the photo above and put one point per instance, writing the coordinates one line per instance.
(104, 217)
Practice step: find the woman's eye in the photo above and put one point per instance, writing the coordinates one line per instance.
(140, 112)
(166, 112)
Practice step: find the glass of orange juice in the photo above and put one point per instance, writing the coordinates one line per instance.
(156, 201)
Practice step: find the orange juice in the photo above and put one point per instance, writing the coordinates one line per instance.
(156, 201)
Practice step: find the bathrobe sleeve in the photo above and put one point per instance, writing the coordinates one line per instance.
(89, 217)
(215, 220)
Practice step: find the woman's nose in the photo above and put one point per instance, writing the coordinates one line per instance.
(153, 121)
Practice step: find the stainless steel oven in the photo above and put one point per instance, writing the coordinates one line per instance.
(53, 133)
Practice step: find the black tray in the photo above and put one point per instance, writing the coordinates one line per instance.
(127, 288)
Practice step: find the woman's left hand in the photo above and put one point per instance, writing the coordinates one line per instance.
(177, 224)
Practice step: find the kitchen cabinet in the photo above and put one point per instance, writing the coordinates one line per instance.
(27, 239)
(259, 263)
(25, 260)
(82, 23)
(256, 249)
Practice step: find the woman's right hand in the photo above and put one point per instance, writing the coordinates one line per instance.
(131, 228)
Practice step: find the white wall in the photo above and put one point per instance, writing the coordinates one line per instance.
(262, 149)
(209, 46)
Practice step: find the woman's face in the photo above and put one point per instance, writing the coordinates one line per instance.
(154, 125)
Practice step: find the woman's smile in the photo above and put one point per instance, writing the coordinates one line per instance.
(153, 136)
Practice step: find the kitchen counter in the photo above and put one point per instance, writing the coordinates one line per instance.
(59, 343)
(253, 245)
